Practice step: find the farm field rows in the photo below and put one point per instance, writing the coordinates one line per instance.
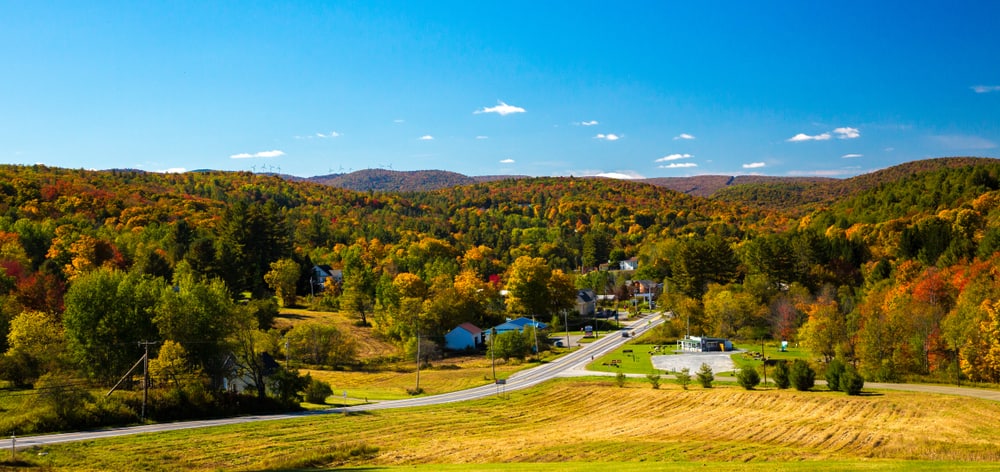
(589, 422)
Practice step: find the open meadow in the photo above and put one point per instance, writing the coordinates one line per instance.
(583, 424)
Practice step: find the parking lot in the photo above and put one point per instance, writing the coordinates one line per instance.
(719, 361)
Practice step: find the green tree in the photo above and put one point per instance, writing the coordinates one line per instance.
(509, 344)
(781, 375)
(107, 313)
(253, 236)
(851, 382)
(705, 375)
(359, 284)
(317, 391)
(620, 379)
(321, 345)
(834, 370)
(748, 378)
(802, 376)
(701, 262)
(249, 344)
(287, 386)
(199, 315)
(282, 278)
(683, 378)
(654, 380)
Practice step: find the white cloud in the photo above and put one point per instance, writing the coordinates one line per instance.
(678, 165)
(608, 137)
(332, 134)
(674, 157)
(507, 161)
(754, 165)
(501, 109)
(851, 156)
(589, 123)
(172, 170)
(683, 136)
(847, 133)
(986, 88)
(426, 137)
(482, 137)
(805, 137)
(399, 121)
(245, 155)
(619, 175)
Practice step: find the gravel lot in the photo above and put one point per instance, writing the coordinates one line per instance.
(719, 361)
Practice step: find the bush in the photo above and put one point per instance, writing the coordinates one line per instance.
(705, 375)
(317, 391)
(654, 380)
(684, 378)
(802, 376)
(748, 378)
(851, 381)
(780, 375)
(620, 379)
(833, 372)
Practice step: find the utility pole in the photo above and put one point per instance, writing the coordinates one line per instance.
(145, 376)
(493, 360)
(534, 330)
(418, 363)
(566, 321)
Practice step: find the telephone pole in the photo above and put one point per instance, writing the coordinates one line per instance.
(145, 375)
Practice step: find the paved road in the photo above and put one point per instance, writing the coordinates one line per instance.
(572, 362)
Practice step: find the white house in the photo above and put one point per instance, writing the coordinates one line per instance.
(464, 336)
(629, 264)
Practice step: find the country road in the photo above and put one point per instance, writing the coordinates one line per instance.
(573, 362)
(570, 365)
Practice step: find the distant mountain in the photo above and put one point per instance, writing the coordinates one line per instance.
(384, 180)
(754, 190)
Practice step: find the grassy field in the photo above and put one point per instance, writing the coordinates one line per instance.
(443, 376)
(584, 424)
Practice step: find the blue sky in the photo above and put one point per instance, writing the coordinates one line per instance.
(640, 89)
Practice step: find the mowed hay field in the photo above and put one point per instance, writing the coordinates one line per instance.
(588, 422)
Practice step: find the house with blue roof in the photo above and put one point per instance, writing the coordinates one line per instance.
(518, 325)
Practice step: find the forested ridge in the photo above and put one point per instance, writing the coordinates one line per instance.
(894, 271)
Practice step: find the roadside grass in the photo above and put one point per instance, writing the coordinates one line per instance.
(555, 426)
(443, 376)
(638, 361)
(772, 350)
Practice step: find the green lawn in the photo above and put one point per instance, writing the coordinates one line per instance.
(638, 361)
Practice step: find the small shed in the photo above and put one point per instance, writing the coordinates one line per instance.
(464, 336)
(704, 344)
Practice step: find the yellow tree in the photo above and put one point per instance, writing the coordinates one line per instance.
(282, 278)
(825, 329)
(980, 360)
(535, 289)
